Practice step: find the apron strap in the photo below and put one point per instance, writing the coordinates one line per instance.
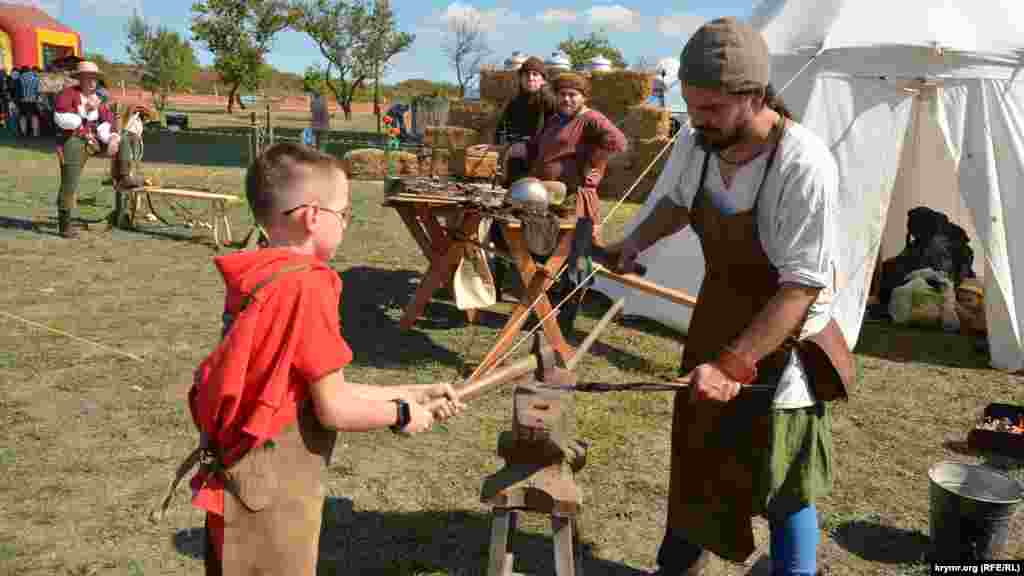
(184, 468)
(205, 454)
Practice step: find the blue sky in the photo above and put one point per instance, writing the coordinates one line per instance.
(653, 30)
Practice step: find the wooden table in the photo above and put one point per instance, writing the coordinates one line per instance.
(444, 249)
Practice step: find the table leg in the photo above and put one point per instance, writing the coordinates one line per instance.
(408, 216)
(538, 281)
(215, 225)
(227, 223)
(444, 261)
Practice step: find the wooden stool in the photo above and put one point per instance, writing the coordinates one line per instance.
(546, 491)
(541, 460)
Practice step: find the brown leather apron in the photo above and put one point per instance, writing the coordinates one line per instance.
(273, 503)
(720, 451)
(273, 495)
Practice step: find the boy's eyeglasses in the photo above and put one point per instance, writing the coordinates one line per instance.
(343, 216)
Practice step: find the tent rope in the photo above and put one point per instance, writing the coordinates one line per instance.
(802, 69)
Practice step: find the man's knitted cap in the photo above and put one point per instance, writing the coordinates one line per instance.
(533, 64)
(726, 54)
(574, 81)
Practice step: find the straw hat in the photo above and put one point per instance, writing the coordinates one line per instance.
(86, 67)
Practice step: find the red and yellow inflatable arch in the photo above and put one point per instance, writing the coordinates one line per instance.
(30, 37)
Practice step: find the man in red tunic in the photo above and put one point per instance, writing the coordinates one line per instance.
(574, 148)
(86, 128)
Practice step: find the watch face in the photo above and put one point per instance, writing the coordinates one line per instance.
(406, 414)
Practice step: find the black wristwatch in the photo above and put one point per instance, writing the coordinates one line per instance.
(404, 416)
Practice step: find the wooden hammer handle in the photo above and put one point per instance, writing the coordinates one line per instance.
(500, 376)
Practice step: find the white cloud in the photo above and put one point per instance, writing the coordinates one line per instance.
(51, 7)
(679, 24)
(557, 16)
(492, 21)
(112, 8)
(614, 17)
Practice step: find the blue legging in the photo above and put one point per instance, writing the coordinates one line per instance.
(794, 545)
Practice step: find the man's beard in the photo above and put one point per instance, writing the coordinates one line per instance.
(722, 142)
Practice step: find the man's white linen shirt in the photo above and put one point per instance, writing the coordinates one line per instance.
(796, 221)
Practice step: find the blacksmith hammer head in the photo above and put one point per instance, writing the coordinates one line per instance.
(550, 369)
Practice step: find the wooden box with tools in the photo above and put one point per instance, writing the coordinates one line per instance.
(475, 162)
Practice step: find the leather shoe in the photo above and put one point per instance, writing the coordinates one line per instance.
(695, 569)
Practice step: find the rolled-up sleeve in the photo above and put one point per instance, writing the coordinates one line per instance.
(67, 120)
(802, 246)
(106, 127)
(65, 110)
(103, 132)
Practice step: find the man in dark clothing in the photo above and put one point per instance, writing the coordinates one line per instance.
(522, 119)
(28, 101)
(397, 113)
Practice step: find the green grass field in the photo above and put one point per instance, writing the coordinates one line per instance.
(90, 437)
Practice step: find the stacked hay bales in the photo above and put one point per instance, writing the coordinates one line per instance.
(648, 129)
(450, 137)
(613, 93)
(618, 94)
(372, 164)
(646, 121)
(478, 115)
(498, 86)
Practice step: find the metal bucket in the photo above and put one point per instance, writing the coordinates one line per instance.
(971, 508)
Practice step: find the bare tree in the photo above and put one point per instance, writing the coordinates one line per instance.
(466, 47)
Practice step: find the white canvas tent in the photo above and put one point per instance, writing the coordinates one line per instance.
(921, 103)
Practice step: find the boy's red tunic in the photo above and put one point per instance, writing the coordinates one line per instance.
(253, 390)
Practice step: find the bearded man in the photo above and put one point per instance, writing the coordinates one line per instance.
(760, 191)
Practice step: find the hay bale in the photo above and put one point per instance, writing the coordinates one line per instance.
(643, 152)
(406, 164)
(439, 161)
(372, 164)
(454, 137)
(425, 158)
(470, 114)
(498, 86)
(616, 91)
(615, 184)
(477, 115)
(646, 121)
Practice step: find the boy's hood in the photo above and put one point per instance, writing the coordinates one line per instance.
(242, 270)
